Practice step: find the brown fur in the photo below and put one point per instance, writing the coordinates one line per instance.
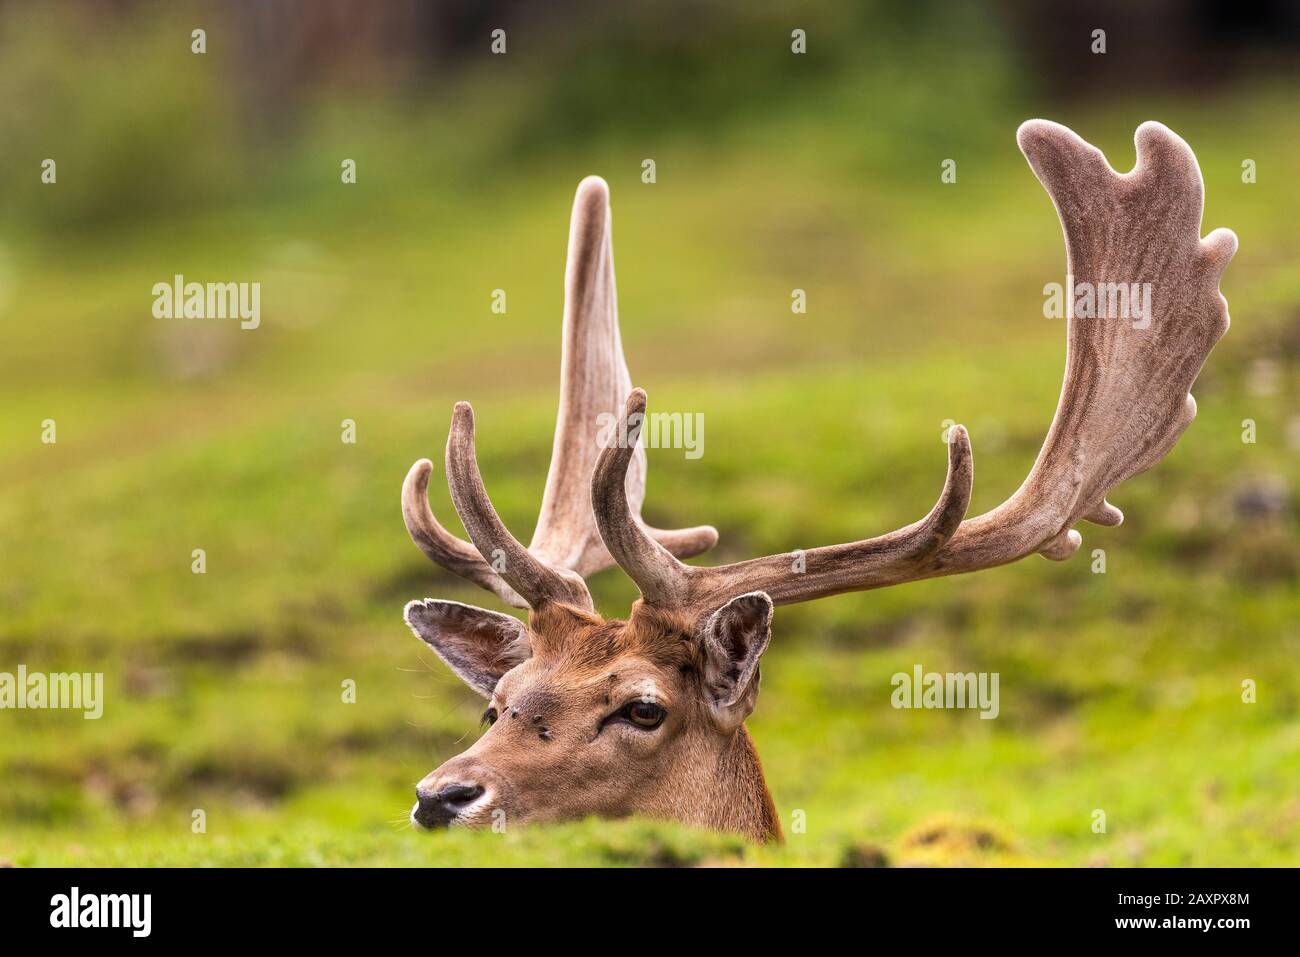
(548, 757)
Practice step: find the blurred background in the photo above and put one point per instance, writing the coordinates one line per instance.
(819, 171)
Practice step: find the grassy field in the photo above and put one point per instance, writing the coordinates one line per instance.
(1120, 691)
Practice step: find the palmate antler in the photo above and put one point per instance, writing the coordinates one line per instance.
(1124, 402)
(594, 381)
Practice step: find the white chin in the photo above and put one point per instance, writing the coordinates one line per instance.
(416, 824)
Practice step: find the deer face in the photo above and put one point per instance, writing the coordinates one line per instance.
(611, 718)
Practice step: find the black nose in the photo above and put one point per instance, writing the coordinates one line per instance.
(437, 808)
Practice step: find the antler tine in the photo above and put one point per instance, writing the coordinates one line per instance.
(535, 581)
(594, 380)
(443, 548)
(788, 578)
(660, 576)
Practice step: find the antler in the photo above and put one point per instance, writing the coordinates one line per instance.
(594, 379)
(1123, 404)
(788, 578)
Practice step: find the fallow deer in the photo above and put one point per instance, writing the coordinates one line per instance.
(594, 716)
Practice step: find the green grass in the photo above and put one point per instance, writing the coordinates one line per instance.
(1120, 691)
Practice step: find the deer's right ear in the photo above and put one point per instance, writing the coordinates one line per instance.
(479, 645)
(734, 638)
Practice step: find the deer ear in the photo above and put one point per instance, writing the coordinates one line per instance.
(733, 639)
(479, 645)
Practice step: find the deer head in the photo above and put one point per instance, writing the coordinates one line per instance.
(646, 715)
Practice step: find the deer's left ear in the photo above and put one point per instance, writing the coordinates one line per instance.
(733, 639)
(479, 645)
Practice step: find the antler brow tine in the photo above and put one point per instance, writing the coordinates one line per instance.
(658, 575)
(536, 582)
(442, 547)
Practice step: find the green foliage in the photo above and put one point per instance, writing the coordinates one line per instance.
(137, 125)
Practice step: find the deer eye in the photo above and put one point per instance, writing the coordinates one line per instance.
(489, 716)
(644, 714)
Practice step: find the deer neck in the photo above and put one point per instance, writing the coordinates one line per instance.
(752, 798)
(730, 793)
